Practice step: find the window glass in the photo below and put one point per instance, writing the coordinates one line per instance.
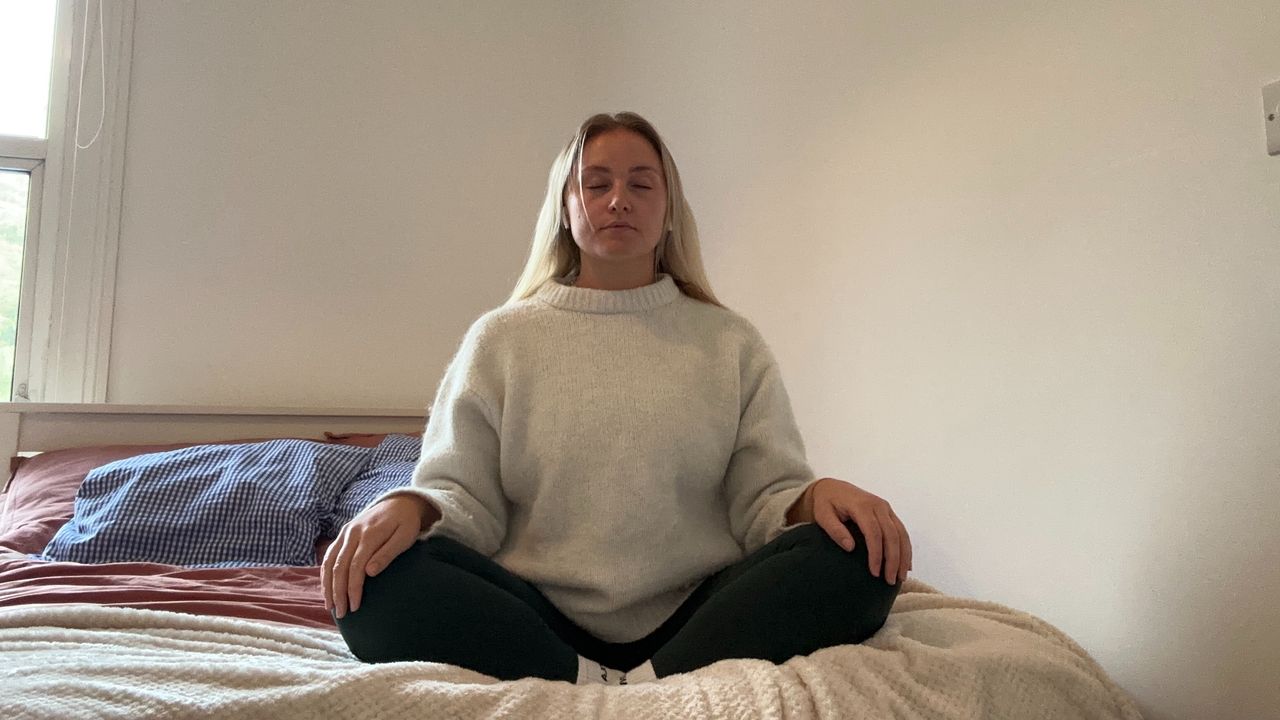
(14, 188)
(26, 59)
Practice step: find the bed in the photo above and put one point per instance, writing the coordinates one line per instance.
(135, 639)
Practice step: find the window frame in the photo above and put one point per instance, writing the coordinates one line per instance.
(29, 155)
(63, 335)
(26, 288)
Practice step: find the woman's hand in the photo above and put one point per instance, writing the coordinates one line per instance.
(835, 501)
(368, 544)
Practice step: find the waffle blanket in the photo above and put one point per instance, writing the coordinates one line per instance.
(938, 656)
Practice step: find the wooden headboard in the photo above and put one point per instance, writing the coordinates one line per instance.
(38, 427)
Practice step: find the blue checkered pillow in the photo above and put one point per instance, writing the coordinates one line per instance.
(209, 505)
(390, 466)
(396, 448)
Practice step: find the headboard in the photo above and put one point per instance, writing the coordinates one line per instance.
(36, 427)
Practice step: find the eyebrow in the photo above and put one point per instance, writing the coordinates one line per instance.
(636, 168)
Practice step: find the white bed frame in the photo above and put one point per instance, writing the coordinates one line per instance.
(30, 428)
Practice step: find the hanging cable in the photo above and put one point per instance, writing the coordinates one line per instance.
(75, 157)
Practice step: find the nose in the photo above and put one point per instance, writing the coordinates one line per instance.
(620, 202)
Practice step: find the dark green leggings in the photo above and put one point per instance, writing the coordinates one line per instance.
(440, 601)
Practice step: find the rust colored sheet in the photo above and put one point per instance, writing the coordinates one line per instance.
(279, 594)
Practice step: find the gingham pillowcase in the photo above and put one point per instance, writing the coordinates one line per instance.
(209, 505)
(390, 466)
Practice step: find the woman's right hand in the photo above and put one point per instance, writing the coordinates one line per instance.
(367, 544)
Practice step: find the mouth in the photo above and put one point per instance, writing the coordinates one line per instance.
(618, 225)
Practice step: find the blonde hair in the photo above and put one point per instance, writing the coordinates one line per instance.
(553, 252)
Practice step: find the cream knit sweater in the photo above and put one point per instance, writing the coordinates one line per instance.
(613, 448)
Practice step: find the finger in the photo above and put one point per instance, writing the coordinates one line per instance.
(355, 578)
(906, 538)
(399, 541)
(907, 554)
(341, 565)
(870, 527)
(326, 574)
(825, 515)
(891, 539)
(369, 542)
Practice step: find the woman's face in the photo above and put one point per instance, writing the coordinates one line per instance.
(618, 220)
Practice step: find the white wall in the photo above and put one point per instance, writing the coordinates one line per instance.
(1022, 261)
(320, 197)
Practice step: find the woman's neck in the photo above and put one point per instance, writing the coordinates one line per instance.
(618, 279)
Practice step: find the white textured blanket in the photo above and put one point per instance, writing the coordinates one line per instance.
(938, 656)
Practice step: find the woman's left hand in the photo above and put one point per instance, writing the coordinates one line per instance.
(835, 501)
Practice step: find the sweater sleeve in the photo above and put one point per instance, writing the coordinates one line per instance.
(767, 471)
(457, 471)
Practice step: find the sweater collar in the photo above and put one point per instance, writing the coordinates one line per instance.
(560, 293)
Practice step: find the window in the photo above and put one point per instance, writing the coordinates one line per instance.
(64, 80)
(26, 57)
(15, 194)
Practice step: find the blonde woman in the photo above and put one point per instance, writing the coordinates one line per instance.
(612, 487)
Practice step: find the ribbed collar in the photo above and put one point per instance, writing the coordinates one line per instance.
(563, 295)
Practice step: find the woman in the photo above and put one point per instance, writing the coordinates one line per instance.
(612, 487)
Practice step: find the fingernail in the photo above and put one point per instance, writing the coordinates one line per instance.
(848, 545)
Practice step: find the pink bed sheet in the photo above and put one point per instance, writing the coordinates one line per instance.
(40, 499)
(288, 595)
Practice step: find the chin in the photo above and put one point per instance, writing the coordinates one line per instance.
(618, 251)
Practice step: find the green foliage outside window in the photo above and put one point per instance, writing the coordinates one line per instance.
(13, 223)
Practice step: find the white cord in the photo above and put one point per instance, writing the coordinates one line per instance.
(102, 84)
(75, 157)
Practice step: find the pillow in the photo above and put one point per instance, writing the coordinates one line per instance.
(396, 448)
(42, 493)
(209, 505)
(390, 466)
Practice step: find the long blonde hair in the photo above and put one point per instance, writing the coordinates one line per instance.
(553, 252)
